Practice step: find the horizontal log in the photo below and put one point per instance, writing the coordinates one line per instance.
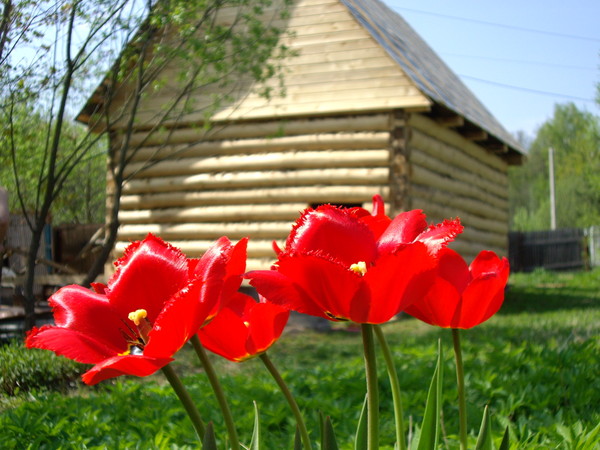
(487, 239)
(309, 194)
(223, 213)
(426, 177)
(318, 177)
(321, 27)
(426, 195)
(335, 46)
(322, 141)
(233, 230)
(261, 161)
(485, 189)
(454, 139)
(437, 210)
(312, 81)
(469, 250)
(456, 156)
(255, 129)
(256, 248)
(252, 106)
(258, 263)
(310, 76)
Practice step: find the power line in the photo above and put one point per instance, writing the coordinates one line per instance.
(519, 88)
(520, 61)
(501, 25)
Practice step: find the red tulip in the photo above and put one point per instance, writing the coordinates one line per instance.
(463, 296)
(153, 304)
(244, 328)
(347, 264)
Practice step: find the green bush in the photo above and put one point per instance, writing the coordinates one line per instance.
(23, 370)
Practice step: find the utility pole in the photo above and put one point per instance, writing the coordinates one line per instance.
(552, 190)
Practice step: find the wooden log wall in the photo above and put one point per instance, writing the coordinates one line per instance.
(237, 181)
(452, 176)
(335, 66)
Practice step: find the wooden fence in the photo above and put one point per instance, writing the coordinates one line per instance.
(563, 249)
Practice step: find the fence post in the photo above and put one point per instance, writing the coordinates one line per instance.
(593, 233)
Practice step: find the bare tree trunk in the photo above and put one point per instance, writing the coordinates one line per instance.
(50, 187)
(32, 251)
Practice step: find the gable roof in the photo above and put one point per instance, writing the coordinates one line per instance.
(412, 75)
(425, 68)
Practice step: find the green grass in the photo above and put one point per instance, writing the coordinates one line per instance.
(536, 364)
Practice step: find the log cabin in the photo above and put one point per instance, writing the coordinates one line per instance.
(369, 108)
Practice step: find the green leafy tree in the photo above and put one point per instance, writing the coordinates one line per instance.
(574, 135)
(82, 200)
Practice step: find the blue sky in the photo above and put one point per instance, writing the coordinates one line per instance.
(550, 46)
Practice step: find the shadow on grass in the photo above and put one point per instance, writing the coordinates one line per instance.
(540, 299)
(544, 291)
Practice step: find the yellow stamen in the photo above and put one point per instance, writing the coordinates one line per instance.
(247, 324)
(137, 316)
(359, 268)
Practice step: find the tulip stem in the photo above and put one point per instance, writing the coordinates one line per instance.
(395, 386)
(460, 380)
(372, 387)
(289, 397)
(186, 400)
(218, 391)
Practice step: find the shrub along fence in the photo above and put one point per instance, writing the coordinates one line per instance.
(564, 249)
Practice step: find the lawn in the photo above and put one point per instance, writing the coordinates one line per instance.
(536, 364)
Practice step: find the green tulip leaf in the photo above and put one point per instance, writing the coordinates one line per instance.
(505, 444)
(430, 428)
(360, 442)
(328, 441)
(484, 441)
(255, 444)
(209, 442)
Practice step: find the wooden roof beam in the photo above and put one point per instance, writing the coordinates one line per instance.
(515, 159)
(450, 121)
(497, 148)
(476, 135)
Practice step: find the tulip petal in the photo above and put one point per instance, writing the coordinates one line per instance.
(221, 267)
(79, 309)
(377, 222)
(334, 232)
(404, 229)
(244, 328)
(70, 343)
(485, 294)
(461, 296)
(267, 322)
(488, 262)
(398, 280)
(137, 365)
(439, 306)
(150, 272)
(438, 236)
(322, 282)
(411, 226)
(179, 320)
(280, 289)
(454, 269)
(227, 335)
